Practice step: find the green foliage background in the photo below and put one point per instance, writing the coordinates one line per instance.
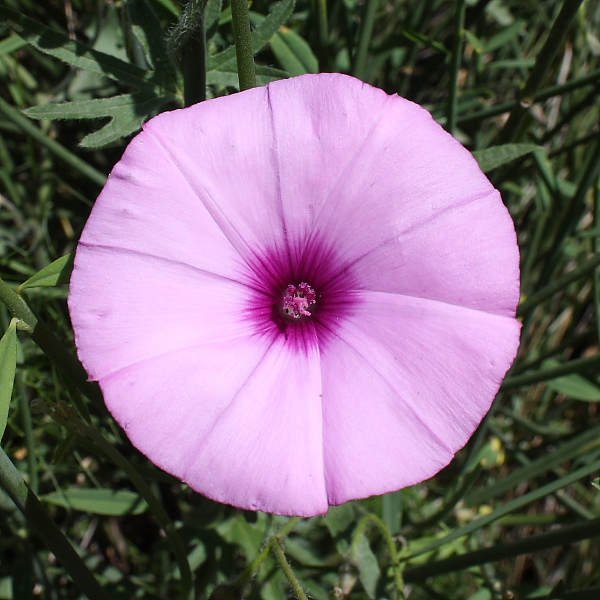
(516, 515)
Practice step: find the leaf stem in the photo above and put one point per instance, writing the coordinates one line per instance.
(243, 44)
(41, 523)
(562, 536)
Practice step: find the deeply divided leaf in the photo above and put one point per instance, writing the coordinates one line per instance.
(76, 54)
(127, 113)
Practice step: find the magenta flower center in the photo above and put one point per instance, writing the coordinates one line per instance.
(297, 301)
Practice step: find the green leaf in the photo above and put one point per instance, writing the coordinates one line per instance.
(339, 518)
(8, 368)
(127, 112)
(496, 156)
(575, 386)
(474, 41)
(56, 273)
(167, 7)
(98, 501)
(11, 44)
(423, 40)
(367, 565)
(294, 53)
(74, 53)
(211, 17)
(238, 531)
(147, 29)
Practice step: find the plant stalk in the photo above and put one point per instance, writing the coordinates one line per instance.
(243, 44)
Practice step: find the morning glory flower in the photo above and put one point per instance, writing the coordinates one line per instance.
(297, 295)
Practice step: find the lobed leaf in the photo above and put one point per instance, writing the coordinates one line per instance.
(127, 113)
(58, 45)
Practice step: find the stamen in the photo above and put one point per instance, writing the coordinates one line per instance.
(297, 300)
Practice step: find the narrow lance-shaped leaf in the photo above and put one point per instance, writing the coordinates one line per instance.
(574, 385)
(496, 156)
(294, 53)
(56, 273)
(8, 367)
(99, 501)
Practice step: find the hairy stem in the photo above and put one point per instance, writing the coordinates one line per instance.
(243, 44)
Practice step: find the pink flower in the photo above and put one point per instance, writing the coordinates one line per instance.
(297, 295)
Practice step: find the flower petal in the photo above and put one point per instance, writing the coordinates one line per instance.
(328, 117)
(127, 307)
(405, 200)
(224, 150)
(236, 422)
(466, 255)
(148, 207)
(404, 387)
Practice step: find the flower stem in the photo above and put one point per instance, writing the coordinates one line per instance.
(457, 51)
(287, 570)
(41, 522)
(243, 44)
